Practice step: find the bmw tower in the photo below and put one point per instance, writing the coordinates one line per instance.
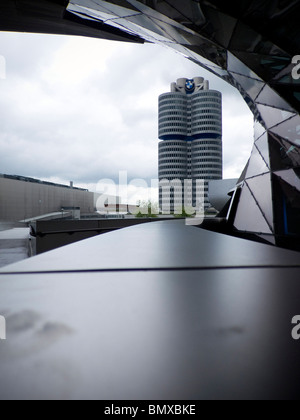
(190, 130)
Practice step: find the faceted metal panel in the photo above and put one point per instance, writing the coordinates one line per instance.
(289, 130)
(291, 177)
(244, 173)
(245, 39)
(260, 188)
(221, 25)
(218, 71)
(285, 76)
(268, 64)
(259, 130)
(113, 5)
(257, 165)
(249, 217)
(291, 92)
(195, 40)
(269, 238)
(290, 203)
(163, 12)
(274, 64)
(189, 12)
(123, 3)
(120, 8)
(272, 116)
(148, 25)
(210, 51)
(284, 155)
(262, 145)
(251, 86)
(271, 98)
(124, 25)
(101, 14)
(123, 9)
(237, 66)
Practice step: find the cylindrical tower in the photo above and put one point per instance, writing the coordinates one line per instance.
(190, 127)
(173, 122)
(207, 150)
(172, 166)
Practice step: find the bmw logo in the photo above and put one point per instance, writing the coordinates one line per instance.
(190, 86)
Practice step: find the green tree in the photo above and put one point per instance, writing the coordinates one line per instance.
(147, 209)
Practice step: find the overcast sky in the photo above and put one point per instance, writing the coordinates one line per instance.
(82, 109)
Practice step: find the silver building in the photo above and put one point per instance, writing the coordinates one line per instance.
(190, 130)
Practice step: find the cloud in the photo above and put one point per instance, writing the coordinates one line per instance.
(84, 109)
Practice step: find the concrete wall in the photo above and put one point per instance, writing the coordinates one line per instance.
(20, 200)
(54, 234)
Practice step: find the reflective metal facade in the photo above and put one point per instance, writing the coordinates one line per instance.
(250, 44)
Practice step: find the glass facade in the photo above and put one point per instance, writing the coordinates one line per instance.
(249, 44)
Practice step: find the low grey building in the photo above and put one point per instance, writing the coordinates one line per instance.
(24, 198)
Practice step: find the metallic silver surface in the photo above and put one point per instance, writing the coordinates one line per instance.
(161, 245)
(14, 243)
(133, 331)
(219, 192)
